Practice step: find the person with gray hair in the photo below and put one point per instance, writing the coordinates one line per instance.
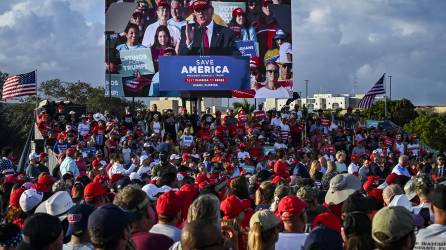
(402, 167)
(205, 207)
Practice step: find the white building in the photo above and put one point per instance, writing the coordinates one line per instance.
(320, 101)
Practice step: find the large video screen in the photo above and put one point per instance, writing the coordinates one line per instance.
(199, 48)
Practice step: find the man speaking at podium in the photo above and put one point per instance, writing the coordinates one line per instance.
(204, 36)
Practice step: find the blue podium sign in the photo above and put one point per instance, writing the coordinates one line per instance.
(204, 73)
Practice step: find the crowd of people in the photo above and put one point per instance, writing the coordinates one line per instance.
(255, 180)
(177, 27)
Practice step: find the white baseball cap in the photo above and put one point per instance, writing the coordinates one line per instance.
(143, 158)
(152, 190)
(30, 199)
(57, 205)
(134, 176)
(175, 157)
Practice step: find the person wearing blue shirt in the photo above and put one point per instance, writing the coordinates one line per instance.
(69, 164)
(401, 167)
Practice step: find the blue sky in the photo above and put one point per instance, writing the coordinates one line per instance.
(339, 45)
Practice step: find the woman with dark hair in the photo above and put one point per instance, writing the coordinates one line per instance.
(163, 40)
(357, 232)
(241, 26)
(132, 35)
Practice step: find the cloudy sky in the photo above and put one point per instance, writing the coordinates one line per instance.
(340, 46)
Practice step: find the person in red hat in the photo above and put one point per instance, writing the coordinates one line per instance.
(291, 211)
(163, 13)
(168, 208)
(233, 210)
(61, 145)
(95, 195)
(205, 37)
(242, 26)
(281, 166)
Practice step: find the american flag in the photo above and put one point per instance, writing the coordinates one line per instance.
(20, 86)
(367, 101)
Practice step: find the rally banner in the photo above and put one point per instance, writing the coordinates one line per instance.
(247, 48)
(136, 62)
(204, 73)
(115, 86)
(224, 9)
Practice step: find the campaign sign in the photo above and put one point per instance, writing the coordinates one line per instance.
(224, 9)
(247, 48)
(136, 61)
(204, 73)
(116, 85)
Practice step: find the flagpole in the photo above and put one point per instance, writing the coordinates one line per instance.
(37, 96)
(385, 97)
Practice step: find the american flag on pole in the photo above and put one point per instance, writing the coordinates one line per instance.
(20, 86)
(378, 89)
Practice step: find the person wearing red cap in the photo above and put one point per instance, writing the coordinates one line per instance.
(69, 164)
(281, 166)
(94, 194)
(241, 26)
(168, 208)
(205, 37)
(291, 211)
(233, 210)
(163, 13)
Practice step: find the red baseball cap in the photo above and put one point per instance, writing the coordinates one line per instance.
(169, 204)
(12, 179)
(15, 197)
(44, 183)
(162, 3)
(266, 2)
(60, 136)
(96, 164)
(232, 206)
(200, 178)
(254, 62)
(238, 12)
(93, 190)
(376, 194)
(290, 205)
(199, 4)
(327, 219)
(70, 152)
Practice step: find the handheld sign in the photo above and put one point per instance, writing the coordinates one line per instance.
(136, 61)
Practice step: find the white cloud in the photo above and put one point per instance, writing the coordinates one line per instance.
(339, 42)
(53, 37)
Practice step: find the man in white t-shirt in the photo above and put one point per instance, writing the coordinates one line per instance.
(291, 210)
(270, 88)
(163, 13)
(243, 154)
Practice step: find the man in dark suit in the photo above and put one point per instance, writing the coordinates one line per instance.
(440, 169)
(205, 37)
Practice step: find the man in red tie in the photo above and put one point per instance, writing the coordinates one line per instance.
(204, 36)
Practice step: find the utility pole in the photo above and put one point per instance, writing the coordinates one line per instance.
(306, 89)
(390, 88)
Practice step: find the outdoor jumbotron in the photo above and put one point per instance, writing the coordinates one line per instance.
(231, 124)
